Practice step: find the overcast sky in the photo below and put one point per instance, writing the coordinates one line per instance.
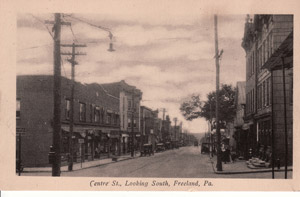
(168, 56)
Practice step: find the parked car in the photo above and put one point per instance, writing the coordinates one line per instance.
(205, 148)
(195, 143)
(160, 147)
(147, 150)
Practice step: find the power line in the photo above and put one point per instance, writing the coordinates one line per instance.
(75, 39)
(84, 21)
(43, 24)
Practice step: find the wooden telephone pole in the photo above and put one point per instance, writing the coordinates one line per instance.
(57, 93)
(219, 162)
(132, 124)
(73, 63)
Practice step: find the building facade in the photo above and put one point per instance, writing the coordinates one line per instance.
(240, 134)
(96, 130)
(130, 98)
(263, 36)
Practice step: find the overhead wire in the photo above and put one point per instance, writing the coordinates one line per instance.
(43, 24)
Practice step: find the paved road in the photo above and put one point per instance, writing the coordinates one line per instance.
(186, 162)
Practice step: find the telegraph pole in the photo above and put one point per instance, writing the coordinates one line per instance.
(132, 129)
(219, 162)
(57, 97)
(57, 93)
(73, 63)
(175, 120)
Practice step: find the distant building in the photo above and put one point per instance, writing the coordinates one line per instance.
(262, 39)
(240, 134)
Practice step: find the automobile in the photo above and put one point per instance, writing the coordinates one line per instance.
(160, 147)
(147, 150)
(205, 148)
(195, 143)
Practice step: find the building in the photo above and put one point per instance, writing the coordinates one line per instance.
(282, 108)
(240, 134)
(166, 131)
(150, 126)
(262, 37)
(129, 106)
(96, 120)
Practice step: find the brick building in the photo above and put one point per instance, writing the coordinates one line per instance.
(262, 37)
(129, 106)
(96, 120)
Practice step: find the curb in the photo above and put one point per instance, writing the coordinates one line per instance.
(47, 171)
(245, 172)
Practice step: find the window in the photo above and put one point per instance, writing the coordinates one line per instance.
(253, 99)
(129, 104)
(108, 118)
(117, 119)
(91, 112)
(18, 107)
(129, 122)
(268, 92)
(134, 123)
(82, 111)
(67, 109)
(291, 89)
(259, 97)
(97, 114)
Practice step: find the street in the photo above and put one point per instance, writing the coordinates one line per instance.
(186, 162)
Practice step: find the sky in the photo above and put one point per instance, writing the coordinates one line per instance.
(168, 57)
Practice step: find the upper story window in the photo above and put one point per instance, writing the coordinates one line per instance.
(129, 104)
(108, 118)
(129, 122)
(134, 123)
(97, 114)
(91, 112)
(82, 111)
(18, 107)
(67, 109)
(116, 119)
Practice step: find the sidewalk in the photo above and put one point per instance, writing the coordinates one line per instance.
(240, 167)
(83, 165)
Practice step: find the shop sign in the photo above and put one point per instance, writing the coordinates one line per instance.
(81, 141)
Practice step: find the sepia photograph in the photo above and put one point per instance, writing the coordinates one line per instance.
(152, 100)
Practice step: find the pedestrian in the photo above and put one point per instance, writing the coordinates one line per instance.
(97, 153)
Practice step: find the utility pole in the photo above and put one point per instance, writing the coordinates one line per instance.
(219, 162)
(175, 120)
(285, 120)
(164, 111)
(73, 63)
(57, 94)
(132, 129)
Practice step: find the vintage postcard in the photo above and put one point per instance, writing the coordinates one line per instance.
(149, 95)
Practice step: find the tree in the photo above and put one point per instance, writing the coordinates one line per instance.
(194, 108)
